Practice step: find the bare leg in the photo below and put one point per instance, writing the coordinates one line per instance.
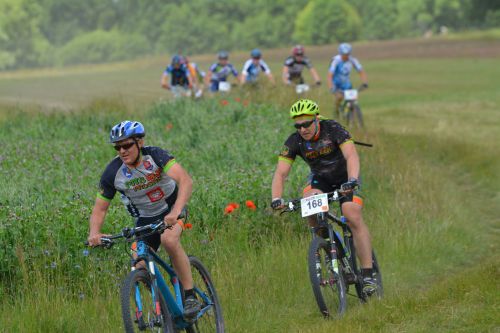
(170, 240)
(360, 233)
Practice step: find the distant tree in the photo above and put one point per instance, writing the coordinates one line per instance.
(378, 18)
(21, 42)
(327, 21)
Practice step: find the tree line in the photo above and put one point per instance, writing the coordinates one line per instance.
(37, 33)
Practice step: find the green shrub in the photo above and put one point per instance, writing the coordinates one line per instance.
(102, 46)
(327, 21)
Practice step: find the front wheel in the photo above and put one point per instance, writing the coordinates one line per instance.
(356, 113)
(326, 278)
(143, 307)
(210, 318)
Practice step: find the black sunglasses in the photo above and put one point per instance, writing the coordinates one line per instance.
(124, 146)
(305, 124)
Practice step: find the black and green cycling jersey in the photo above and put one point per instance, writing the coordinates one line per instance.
(322, 154)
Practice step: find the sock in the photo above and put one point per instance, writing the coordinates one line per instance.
(367, 272)
(189, 293)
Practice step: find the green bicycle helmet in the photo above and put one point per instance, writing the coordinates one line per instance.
(304, 107)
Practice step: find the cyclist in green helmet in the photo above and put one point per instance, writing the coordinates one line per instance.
(329, 150)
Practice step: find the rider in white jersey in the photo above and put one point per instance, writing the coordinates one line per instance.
(340, 71)
(253, 67)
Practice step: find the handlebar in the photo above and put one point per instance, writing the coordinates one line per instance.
(294, 204)
(156, 227)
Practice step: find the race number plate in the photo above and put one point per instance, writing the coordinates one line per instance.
(351, 94)
(224, 86)
(314, 205)
(301, 88)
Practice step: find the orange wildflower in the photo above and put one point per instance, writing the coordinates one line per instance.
(228, 210)
(250, 204)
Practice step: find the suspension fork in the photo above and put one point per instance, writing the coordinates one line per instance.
(321, 218)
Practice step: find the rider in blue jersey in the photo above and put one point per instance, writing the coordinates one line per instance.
(220, 71)
(340, 71)
(253, 67)
(180, 80)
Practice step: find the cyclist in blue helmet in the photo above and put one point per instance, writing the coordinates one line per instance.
(152, 186)
(220, 71)
(340, 71)
(176, 77)
(253, 67)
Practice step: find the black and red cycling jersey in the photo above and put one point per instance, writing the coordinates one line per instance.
(295, 68)
(323, 155)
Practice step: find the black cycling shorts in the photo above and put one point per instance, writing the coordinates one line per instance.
(325, 185)
(154, 240)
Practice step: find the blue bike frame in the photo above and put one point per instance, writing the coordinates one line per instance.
(174, 302)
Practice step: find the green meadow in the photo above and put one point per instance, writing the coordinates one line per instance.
(431, 185)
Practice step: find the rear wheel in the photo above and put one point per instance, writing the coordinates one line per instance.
(211, 319)
(141, 311)
(327, 283)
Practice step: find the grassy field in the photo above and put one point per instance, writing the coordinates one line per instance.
(431, 186)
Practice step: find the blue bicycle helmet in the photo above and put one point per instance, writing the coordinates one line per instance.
(345, 48)
(223, 55)
(176, 59)
(126, 129)
(255, 53)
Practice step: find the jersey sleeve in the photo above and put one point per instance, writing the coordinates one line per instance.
(289, 150)
(213, 68)
(340, 134)
(161, 157)
(288, 61)
(333, 65)
(107, 188)
(246, 66)
(356, 64)
(308, 62)
(167, 70)
(265, 67)
(233, 70)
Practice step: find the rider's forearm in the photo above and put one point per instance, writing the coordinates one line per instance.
(329, 80)
(185, 189)
(278, 185)
(315, 75)
(363, 76)
(353, 166)
(96, 221)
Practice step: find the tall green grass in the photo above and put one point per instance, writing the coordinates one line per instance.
(431, 204)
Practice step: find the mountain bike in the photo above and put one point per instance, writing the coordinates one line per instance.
(332, 262)
(350, 109)
(148, 303)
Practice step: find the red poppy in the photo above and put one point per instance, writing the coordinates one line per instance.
(224, 102)
(250, 204)
(228, 210)
(234, 205)
(246, 102)
(169, 126)
(188, 226)
(237, 99)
